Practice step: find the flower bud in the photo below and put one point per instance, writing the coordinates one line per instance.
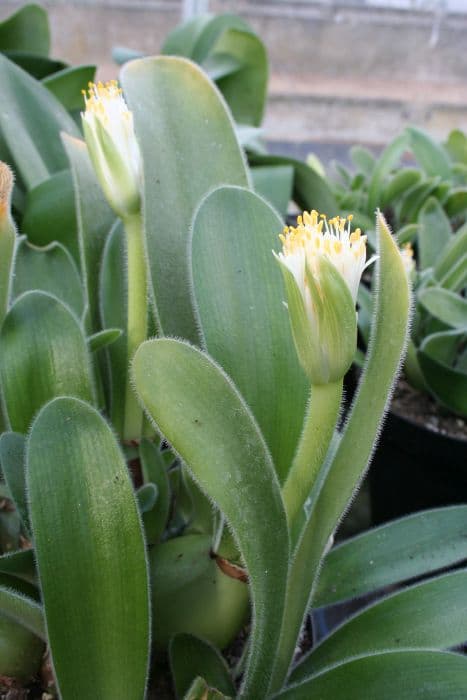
(322, 263)
(114, 151)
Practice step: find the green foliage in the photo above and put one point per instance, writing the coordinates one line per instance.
(426, 204)
(210, 521)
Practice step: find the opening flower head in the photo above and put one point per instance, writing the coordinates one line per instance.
(322, 261)
(110, 137)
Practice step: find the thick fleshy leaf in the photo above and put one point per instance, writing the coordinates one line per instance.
(444, 305)
(20, 608)
(244, 89)
(21, 651)
(431, 156)
(238, 286)
(207, 422)
(67, 85)
(50, 213)
(95, 219)
(192, 595)
(434, 233)
(415, 197)
(12, 449)
(27, 29)
(386, 162)
(44, 354)
(92, 568)
(274, 183)
(102, 339)
(410, 675)
(113, 306)
(444, 380)
(397, 551)
(399, 184)
(37, 66)
(50, 269)
(155, 473)
(431, 615)
(31, 120)
(184, 158)
(310, 190)
(354, 451)
(191, 657)
(19, 564)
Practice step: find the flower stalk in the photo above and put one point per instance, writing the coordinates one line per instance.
(114, 152)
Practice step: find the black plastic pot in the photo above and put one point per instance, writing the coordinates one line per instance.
(415, 468)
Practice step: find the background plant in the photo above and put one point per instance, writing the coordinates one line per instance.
(425, 199)
(108, 516)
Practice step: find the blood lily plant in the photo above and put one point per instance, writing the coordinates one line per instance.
(171, 457)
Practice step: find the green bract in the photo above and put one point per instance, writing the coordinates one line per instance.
(165, 486)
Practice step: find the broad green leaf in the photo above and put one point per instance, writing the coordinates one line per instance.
(238, 287)
(397, 551)
(207, 422)
(44, 354)
(184, 158)
(434, 233)
(454, 250)
(155, 472)
(403, 180)
(385, 163)
(67, 85)
(191, 595)
(27, 29)
(456, 278)
(104, 338)
(431, 156)
(350, 460)
(448, 307)
(95, 219)
(50, 213)
(274, 183)
(39, 67)
(211, 32)
(409, 675)
(407, 234)
(431, 615)
(456, 146)
(31, 120)
(220, 65)
(363, 159)
(191, 657)
(94, 565)
(147, 498)
(113, 306)
(415, 198)
(12, 449)
(446, 383)
(21, 651)
(19, 564)
(181, 40)
(20, 608)
(244, 89)
(456, 202)
(50, 269)
(310, 190)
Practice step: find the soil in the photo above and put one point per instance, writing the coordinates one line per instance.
(423, 410)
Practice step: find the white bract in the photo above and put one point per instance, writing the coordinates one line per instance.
(110, 137)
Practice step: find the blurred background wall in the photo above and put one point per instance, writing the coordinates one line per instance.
(341, 72)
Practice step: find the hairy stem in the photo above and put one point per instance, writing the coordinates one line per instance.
(137, 324)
